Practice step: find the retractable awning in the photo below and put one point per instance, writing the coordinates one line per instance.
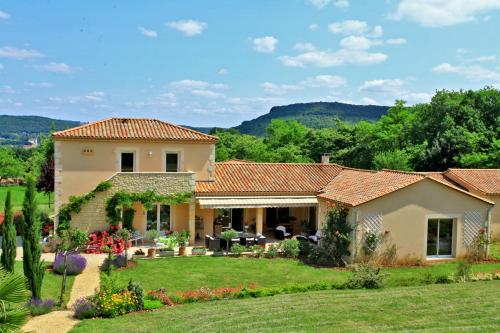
(257, 202)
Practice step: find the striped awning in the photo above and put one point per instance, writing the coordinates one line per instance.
(257, 202)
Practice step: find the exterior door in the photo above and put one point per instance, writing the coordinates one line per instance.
(159, 218)
(440, 238)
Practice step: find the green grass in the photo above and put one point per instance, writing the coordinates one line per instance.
(188, 273)
(466, 307)
(495, 249)
(18, 197)
(51, 285)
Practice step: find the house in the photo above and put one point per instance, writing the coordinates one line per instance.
(426, 215)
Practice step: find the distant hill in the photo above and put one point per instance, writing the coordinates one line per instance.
(17, 130)
(314, 115)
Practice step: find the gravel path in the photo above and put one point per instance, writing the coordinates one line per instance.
(84, 285)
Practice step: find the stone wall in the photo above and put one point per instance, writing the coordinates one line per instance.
(92, 216)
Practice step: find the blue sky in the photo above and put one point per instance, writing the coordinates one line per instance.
(219, 62)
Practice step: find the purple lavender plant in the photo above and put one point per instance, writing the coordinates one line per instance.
(84, 308)
(39, 307)
(75, 262)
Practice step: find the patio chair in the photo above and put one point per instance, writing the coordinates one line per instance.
(316, 237)
(280, 233)
(136, 236)
(211, 243)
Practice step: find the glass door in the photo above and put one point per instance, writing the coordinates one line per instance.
(158, 218)
(439, 237)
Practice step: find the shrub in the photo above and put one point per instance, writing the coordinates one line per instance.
(290, 247)
(119, 261)
(39, 307)
(389, 256)
(75, 263)
(272, 251)
(152, 304)
(335, 241)
(237, 249)
(84, 308)
(102, 239)
(151, 235)
(444, 279)
(366, 276)
(137, 290)
(160, 295)
(464, 271)
(110, 304)
(207, 294)
(258, 250)
(371, 242)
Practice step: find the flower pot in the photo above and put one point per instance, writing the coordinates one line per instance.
(198, 251)
(151, 253)
(182, 251)
(166, 253)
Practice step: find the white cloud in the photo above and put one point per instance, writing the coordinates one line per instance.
(441, 13)
(396, 41)
(357, 43)
(167, 99)
(333, 58)
(349, 27)
(188, 27)
(322, 3)
(57, 67)
(4, 15)
(388, 86)
(206, 93)
(266, 44)
(304, 47)
(6, 89)
(368, 101)
(147, 32)
(222, 71)
(313, 27)
(414, 98)
(94, 97)
(195, 84)
(39, 84)
(325, 81)
(318, 81)
(377, 31)
(17, 53)
(470, 72)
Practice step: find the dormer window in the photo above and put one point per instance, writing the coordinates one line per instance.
(172, 162)
(127, 160)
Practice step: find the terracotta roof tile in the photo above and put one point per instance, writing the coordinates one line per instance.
(133, 129)
(249, 177)
(354, 187)
(485, 181)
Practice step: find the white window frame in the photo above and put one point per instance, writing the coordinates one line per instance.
(119, 158)
(158, 217)
(455, 218)
(180, 159)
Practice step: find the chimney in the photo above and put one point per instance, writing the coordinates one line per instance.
(325, 158)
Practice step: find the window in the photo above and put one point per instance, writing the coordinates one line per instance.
(439, 237)
(159, 218)
(127, 162)
(172, 162)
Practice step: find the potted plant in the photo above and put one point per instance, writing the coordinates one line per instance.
(227, 236)
(139, 254)
(170, 244)
(183, 242)
(198, 251)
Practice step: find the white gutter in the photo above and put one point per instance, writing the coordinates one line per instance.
(488, 230)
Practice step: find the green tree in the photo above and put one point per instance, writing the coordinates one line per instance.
(394, 160)
(9, 242)
(281, 132)
(34, 268)
(13, 296)
(10, 165)
(71, 240)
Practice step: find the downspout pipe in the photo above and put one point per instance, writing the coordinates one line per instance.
(488, 230)
(355, 234)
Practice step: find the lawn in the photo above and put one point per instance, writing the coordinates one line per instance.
(495, 249)
(466, 307)
(18, 196)
(51, 285)
(188, 273)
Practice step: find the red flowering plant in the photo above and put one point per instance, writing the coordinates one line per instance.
(100, 239)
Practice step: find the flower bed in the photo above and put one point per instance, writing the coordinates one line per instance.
(75, 263)
(100, 239)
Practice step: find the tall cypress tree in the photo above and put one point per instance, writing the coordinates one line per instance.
(33, 266)
(9, 242)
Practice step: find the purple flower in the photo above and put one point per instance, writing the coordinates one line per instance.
(84, 308)
(75, 262)
(39, 307)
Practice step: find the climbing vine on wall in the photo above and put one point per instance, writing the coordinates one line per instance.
(122, 199)
(75, 205)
